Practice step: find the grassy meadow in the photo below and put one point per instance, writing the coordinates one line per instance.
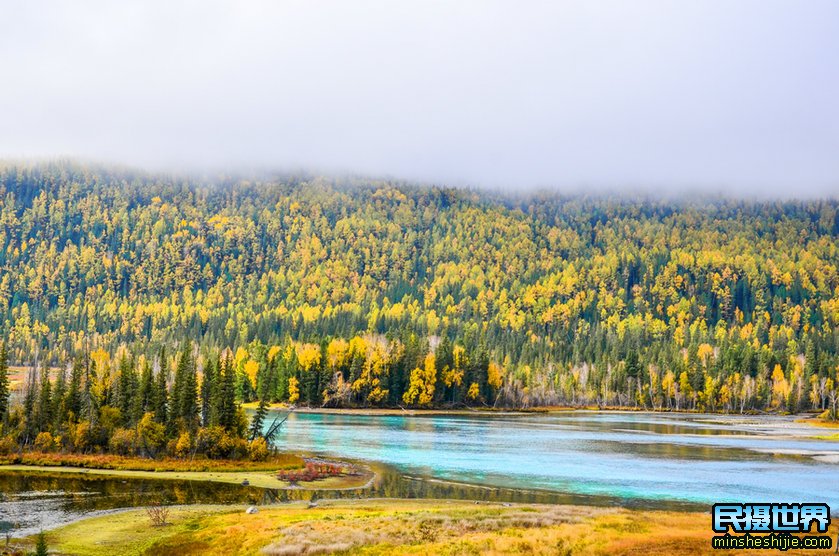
(390, 527)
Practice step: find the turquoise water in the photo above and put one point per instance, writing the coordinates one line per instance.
(695, 458)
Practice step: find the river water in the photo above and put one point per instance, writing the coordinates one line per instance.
(628, 458)
(626, 455)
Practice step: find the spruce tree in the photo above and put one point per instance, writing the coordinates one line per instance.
(4, 382)
(258, 419)
(126, 390)
(73, 398)
(29, 399)
(208, 388)
(41, 548)
(43, 410)
(227, 395)
(59, 407)
(145, 393)
(160, 394)
(185, 391)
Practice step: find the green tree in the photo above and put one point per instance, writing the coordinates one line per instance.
(258, 419)
(4, 382)
(41, 548)
(185, 391)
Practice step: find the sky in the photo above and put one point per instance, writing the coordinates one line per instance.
(734, 96)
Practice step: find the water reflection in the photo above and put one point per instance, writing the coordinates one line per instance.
(32, 502)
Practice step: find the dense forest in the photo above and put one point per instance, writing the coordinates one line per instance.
(128, 297)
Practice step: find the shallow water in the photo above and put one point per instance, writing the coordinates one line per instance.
(624, 455)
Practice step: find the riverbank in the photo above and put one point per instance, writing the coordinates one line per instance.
(260, 479)
(807, 418)
(829, 429)
(256, 474)
(390, 527)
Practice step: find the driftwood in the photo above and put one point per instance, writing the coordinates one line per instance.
(272, 431)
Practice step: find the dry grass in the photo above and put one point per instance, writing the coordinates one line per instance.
(395, 527)
(256, 478)
(109, 461)
(816, 422)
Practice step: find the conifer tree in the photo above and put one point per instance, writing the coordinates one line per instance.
(29, 400)
(258, 419)
(160, 394)
(185, 391)
(227, 395)
(73, 397)
(58, 410)
(41, 548)
(208, 388)
(127, 390)
(4, 382)
(43, 411)
(145, 393)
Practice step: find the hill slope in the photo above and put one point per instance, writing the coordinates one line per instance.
(545, 299)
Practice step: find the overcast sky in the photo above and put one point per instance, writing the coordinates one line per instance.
(722, 95)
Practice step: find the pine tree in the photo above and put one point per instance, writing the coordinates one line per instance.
(227, 395)
(145, 393)
(73, 398)
(160, 394)
(43, 410)
(59, 407)
(127, 390)
(41, 548)
(258, 419)
(29, 399)
(185, 391)
(4, 382)
(90, 404)
(208, 388)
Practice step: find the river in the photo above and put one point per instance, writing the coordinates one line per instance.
(634, 459)
(628, 455)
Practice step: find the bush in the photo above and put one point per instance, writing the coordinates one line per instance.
(123, 442)
(258, 450)
(7, 445)
(183, 446)
(44, 442)
(217, 443)
(158, 515)
(80, 436)
(151, 435)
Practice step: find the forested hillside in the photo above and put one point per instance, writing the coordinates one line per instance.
(377, 293)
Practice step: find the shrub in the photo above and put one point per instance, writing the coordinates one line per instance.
(258, 450)
(44, 442)
(110, 417)
(80, 436)
(158, 515)
(217, 443)
(123, 441)
(7, 445)
(151, 435)
(314, 470)
(183, 446)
